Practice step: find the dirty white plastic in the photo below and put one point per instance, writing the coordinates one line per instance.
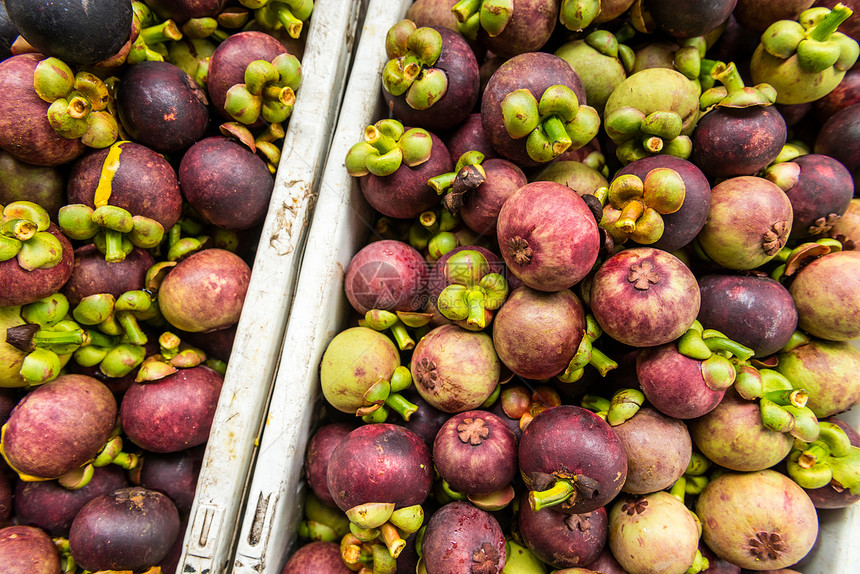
(209, 539)
(340, 226)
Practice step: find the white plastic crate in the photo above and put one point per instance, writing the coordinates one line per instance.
(230, 451)
(341, 225)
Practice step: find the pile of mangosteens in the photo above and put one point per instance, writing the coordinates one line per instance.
(138, 147)
(604, 319)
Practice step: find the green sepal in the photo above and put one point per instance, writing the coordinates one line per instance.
(520, 113)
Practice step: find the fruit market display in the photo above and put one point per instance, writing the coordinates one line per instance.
(606, 316)
(138, 150)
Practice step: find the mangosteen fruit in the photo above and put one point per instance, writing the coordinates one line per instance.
(129, 529)
(28, 550)
(654, 533)
(757, 520)
(21, 181)
(644, 297)
(455, 370)
(316, 558)
(390, 275)
(547, 236)
(827, 370)
(320, 446)
(827, 294)
(174, 474)
(462, 539)
(50, 268)
(838, 136)
(205, 291)
(92, 275)
(571, 460)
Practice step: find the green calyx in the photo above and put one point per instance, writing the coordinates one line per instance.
(385, 147)
(114, 230)
(587, 354)
(468, 174)
(473, 289)
(398, 322)
(576, 15)
(830, 459)
(78, 103)
(490, 15)
(783, 408)
(24, 235)
(289, 15)
(723, 360)
(733, 93)
(412, 52)
(639, 135)
(624, 404)
(174, 355)
(552, 125)
(635, 207)
(269, 91)
(814, 40)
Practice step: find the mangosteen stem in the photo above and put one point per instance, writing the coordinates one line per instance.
(595, 403)
(393, 541)
(442, 182)
(822, 31)
(796, 397)
(286, 17)
(600, 361)
(728, 75)
(132, 330)
(113, 246)
(631, 212)
(476, 303)
(679, 489)
(166, 31)
(465, 8)
(557, 134)
(563, 489)
(716, 344)
(381, 142)
(401, 335)
(399, 404)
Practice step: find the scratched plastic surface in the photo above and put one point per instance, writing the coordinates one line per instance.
(231, 449)
(340, 226)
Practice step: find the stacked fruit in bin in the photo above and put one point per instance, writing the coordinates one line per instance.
(139, 146)
(603, 321)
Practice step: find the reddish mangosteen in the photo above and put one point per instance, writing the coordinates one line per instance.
(91, 274)
(827, 294)
(674, 384)
(52, 507)
(758, 520)
(475, 453)
(21, 286)
(654, 533)
(548, 236)
(161, 107)
(606, 563)
(380, 463)
(524, 27)
(316, 558)
(511, 109)
(230, 59)
(571, 460)
(689, 19)
(732, 435)
(820, 189)
(846, 94)
(174, 474)
(205, 291)
(25, 131)
(827, 370)
(743, 133)
(389, 275)
(462, 539)
(59, 426)
(455, 370)
(216, 344)
(658, 450)
(129, 529)
(433, 13)
(320, 446)
(752, 309)
(838, 138)
(682, 226)
(431, 78)
(226, 183)
(536, 334)
(563, 540)
(644, 297)
(757, 16)
(173, 413)
(28, 550)
(469, 136)
(748, 223)
(394, 163)
(183, 10)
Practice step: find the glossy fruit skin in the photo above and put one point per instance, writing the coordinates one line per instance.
(571, 440)
(161, 107)
(765, 508)
(316, 558)
(827, 295)
(753, 310)
(226, 183)
(387, 274)
(536, 334)
(380, 462)
(320, 446)
(458, 535)
(129, 529)
(173, 413)
(174, 474)
(59, 426)
(823, 191)
(91, 274)
(547, 236)
(644, 297)
(838, 138)
(480, 211)
(74, 31)
(24, 128)
(28, 550)
(183, 10)
(563, 540)
(457, 61)
(689, 19)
